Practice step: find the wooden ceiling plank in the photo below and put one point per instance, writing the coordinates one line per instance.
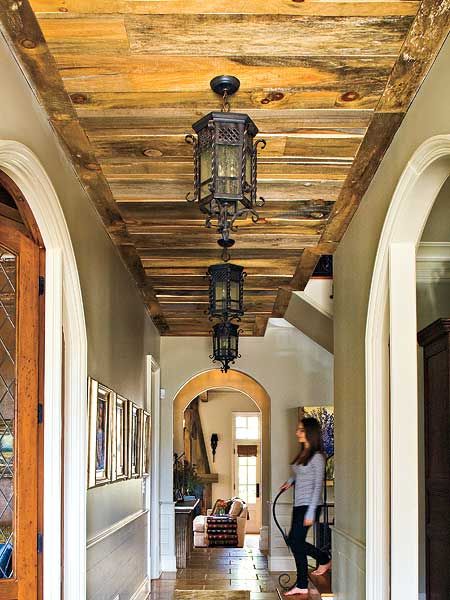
(84, 72)
(263, 272)
(161, 213)
(25, 38)
(197, 282)
(197, 254)
(95, 35)
(182, 295)
(216, 35)
(275, 240)
(267, 171)
(139, 103)
(132, 190)
(174, 146)
(67, 8)
(421, 46)
(272, 120)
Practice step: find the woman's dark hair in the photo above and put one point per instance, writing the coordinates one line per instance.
(313, 434)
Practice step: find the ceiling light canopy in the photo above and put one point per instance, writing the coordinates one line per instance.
(225, 165)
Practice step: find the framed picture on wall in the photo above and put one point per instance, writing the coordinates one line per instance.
(101, 419)
(133, 440)
(325, 416)
(120, 439)
(145, 442)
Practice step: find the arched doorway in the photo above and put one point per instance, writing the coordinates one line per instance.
(63, 313)
(391, 380)
(233, 380)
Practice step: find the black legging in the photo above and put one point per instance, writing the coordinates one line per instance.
(301, 549)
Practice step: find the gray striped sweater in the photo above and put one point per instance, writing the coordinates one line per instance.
(308, 481)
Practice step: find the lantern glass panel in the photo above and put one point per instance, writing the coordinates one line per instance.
(248, 167)
(221, 295)
(234, 293)
(228, 169)
(223, 344)
(205, 171)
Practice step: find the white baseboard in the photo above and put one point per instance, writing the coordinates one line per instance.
(281, 563)
(168, 563)
(142, 592)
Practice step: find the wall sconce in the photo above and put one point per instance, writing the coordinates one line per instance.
(214, 442)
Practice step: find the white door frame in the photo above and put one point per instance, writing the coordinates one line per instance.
(391, 380)
(63, 312)
(153, 489)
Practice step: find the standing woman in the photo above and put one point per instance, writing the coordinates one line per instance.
(308, 476)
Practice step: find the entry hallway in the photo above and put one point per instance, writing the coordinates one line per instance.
(225, 569)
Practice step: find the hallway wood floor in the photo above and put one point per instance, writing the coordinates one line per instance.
(224, 569)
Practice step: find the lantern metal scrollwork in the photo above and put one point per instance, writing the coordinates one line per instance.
(225, 344)
(225, 165)
(226, 291)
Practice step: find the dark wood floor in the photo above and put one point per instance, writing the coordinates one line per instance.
(225, 569)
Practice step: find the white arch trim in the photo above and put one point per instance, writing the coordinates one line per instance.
(391, 380)
(63, 311)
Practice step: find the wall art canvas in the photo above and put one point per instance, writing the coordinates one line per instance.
(325, 416)
(120, 439)
(145, 442)
(101, 419)
(133, 440)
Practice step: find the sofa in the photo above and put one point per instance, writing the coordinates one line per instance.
(238, 509)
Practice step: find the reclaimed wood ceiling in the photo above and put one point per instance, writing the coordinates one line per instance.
(327, 83)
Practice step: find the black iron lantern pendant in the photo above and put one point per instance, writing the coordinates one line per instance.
(225, 169)
(225, 344)
(226, 291)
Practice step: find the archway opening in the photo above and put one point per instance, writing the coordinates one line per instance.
(392, 488)
(239, 384)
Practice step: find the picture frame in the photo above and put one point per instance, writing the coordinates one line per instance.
(120, 442)
(145, 443)
(133, 440)
(325, 416)
(101, 401)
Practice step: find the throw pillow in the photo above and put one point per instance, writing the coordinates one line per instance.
(236, 508)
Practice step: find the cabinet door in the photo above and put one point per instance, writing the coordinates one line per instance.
(19, 337)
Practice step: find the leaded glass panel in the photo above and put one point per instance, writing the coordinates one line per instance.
(8, 275)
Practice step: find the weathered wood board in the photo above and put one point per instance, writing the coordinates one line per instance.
(326, 82)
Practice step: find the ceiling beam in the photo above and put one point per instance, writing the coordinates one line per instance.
(23, 34)
(420, 48)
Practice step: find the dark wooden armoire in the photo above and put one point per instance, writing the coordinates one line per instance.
(435, 340)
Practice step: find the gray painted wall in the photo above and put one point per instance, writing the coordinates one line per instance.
(428, 116)
(119, 331)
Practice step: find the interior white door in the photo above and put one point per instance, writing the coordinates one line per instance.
(247, 480)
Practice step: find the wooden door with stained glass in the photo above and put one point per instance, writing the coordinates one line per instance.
(19, 383)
